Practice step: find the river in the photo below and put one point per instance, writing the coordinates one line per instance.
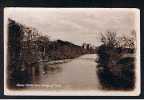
(79, 73)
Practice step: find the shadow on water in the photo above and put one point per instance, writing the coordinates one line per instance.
(51, 68)
(44, 69)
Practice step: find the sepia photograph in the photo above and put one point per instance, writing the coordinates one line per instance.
(72, 51)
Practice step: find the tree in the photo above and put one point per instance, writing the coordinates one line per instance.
(109, 39)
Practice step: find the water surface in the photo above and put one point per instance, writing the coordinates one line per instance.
(78, 73)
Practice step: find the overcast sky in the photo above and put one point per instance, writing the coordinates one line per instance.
(73, 24)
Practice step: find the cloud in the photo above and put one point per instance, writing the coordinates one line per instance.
(75, 25)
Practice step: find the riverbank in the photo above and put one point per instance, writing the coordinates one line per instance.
(116, 68)
(55, 61)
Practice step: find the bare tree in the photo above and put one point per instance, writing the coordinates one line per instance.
(109, 39)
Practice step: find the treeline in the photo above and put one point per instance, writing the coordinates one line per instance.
(19, 56)
(116, 61)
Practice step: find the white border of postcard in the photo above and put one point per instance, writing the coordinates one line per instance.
(135, 92)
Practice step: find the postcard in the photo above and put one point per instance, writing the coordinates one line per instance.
(71, 51)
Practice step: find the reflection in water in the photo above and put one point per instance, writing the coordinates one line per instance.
(51, 69)
(79, 73)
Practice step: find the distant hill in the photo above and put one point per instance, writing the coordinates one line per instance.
(59, 49)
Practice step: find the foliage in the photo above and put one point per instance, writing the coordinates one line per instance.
(116, 61)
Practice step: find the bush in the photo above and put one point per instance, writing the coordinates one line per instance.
(115, 64)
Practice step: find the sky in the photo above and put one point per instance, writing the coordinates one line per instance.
(76, 25)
